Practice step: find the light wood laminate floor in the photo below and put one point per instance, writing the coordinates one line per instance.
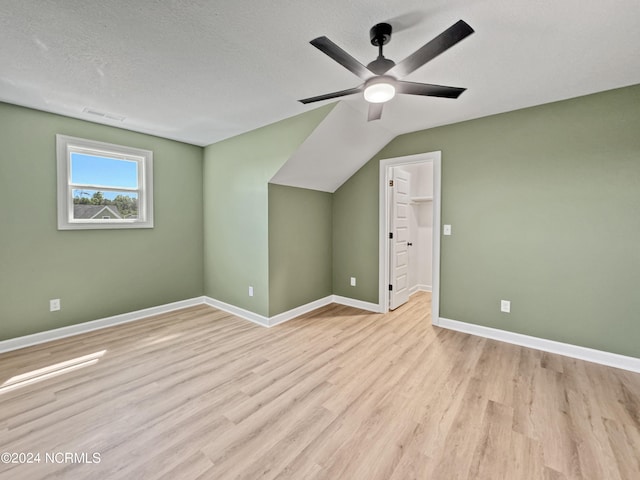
(336, 394)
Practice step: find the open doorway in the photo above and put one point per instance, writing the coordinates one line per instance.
(410, 213)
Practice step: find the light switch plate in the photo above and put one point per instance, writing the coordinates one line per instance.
(446, 229)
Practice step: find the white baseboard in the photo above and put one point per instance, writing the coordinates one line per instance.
(289, 314)
(583, 353)
(237, 311)
(301, 310)
(352, 302)
(63, 332)
(419, 288)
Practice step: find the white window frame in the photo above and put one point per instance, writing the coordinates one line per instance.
(65, 146)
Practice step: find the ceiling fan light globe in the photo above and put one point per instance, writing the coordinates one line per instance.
(379, 92)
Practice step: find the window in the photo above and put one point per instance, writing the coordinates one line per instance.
(101, 185)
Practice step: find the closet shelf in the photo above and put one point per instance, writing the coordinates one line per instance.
(421, 199)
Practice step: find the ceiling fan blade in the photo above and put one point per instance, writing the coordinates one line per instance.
(428, 90)
(339, 55)
(432, 49)
(327, 96)
(375, 111)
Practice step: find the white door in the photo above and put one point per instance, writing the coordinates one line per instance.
(399, 227)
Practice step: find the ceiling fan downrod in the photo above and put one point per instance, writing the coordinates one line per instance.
(380, 35)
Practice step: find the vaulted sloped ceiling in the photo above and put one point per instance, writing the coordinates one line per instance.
(334, 151)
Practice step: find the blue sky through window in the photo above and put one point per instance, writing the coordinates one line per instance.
(95, 170)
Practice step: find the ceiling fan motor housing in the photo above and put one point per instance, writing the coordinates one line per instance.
(380, 34)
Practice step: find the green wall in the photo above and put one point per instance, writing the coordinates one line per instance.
(95, 273)
(544, 203)
(236, 217)
(355, 231)
(300, 247)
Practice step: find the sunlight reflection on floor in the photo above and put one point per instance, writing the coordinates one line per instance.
(50, 371)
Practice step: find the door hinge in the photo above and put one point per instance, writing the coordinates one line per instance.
(390, 287)
(391, 183)
(391, 235)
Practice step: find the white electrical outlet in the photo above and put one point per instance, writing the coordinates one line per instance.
(446, 229)
(54, 305)
(353, 281)
(251, 291)
(505, 306)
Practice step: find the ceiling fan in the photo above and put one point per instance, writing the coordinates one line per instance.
(381, 75)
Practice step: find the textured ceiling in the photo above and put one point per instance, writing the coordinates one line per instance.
(201, 71)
